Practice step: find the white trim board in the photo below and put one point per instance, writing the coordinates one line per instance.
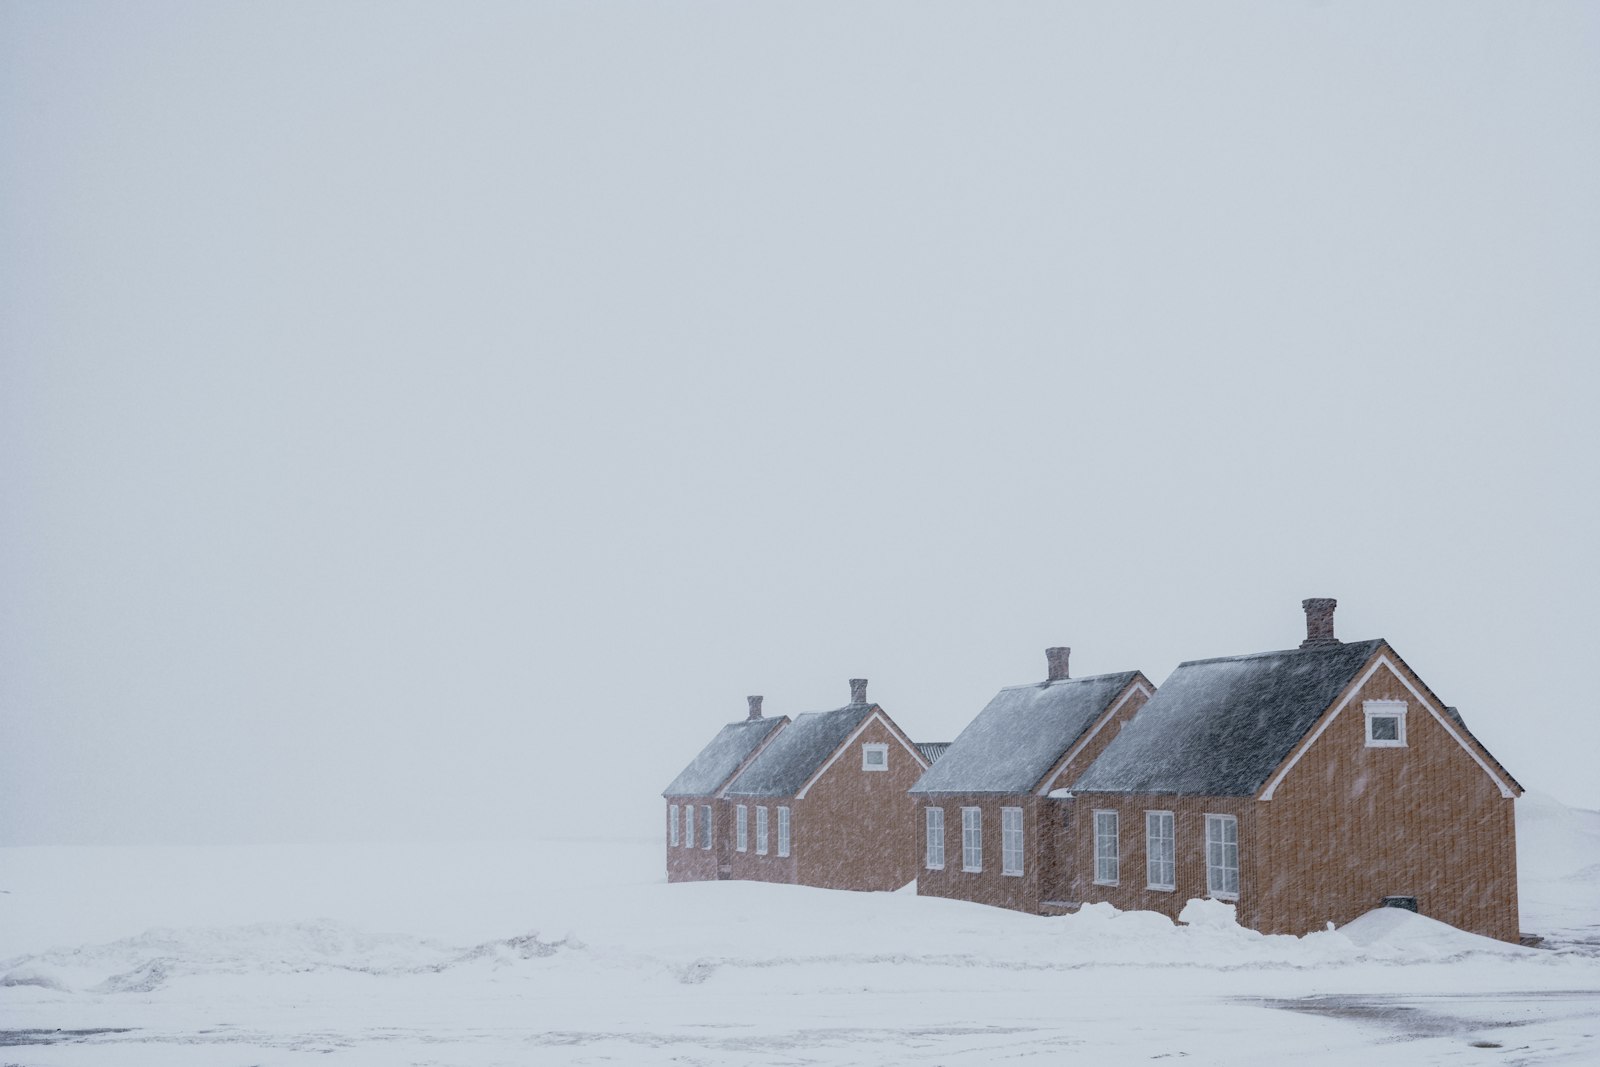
(1066, 761)
(1355, 687)
(848, 743)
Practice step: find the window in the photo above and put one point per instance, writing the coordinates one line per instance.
(761, 830)
(1222, 856)
(741, 829)
(783, 831)
(1010, 840)
(1160, 855)
(1107, 858)
(705, 826)
(688, 826)
(972, 839)
(1386, 723)
(672, 825)
(874, 757)
(935, 849)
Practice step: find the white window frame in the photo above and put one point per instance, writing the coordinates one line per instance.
(707, 831)
(785, 831)
(972, 840)
(933, 838)
(688, 826)
(672, 825)
(1160, 851)
(867, 751)
(1011, 841)
(761, 829)
(1107, 861)
(1386, 709)
(1217, 856)
(741, 828)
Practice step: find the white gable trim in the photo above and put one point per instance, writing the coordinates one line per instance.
(849, 742)
(722, 794)
(1066, 761)
(1438, 715)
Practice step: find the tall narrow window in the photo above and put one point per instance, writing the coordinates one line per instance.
(761, 829)
(1222, 856)
(705, 826)
(688, 826)
(972, 839)
(1010, 840)
(672, 825)
(1160, 855)
(1107, 856)
(935, 826)
(783, 831)
(741, 828)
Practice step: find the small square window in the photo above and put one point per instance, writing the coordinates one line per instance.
(875, 757)
(1386, 723)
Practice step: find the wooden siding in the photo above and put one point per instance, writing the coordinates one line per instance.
(1351, 824)
(854, 828)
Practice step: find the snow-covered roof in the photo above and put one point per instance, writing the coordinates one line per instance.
(1219, 727)
(1021, 734)
(796, 754)
(718, 761)
(933, 751)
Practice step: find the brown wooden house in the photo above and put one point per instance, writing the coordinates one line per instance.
(698, 834)
(825, 803)
(987, 828)
(1306, 786)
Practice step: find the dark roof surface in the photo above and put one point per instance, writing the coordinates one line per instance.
(717, 762)
(1219, 727)
(932, 750)
(1020, 735)
(794, 755)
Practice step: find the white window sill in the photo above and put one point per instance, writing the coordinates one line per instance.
(1229, 897)
(1012, 874)
(972, 870)
(934, 867)
(1386, 744)
(1099, 882)
(1162, 888)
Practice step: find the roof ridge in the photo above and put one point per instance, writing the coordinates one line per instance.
(1282, 652)
(1058, 681)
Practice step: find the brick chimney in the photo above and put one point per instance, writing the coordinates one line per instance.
(755, 707)
(1056, 658)
(858, 690)
(1319, 623)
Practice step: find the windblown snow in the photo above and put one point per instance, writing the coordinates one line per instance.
(578, 952)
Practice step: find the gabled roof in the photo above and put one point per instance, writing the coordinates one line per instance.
(933, 751)
(784, 766)
(1220, 727)
(722, 758)
(1021, 734)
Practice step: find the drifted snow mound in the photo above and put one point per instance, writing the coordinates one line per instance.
(150, 960)
(1209, 915)
(1417, 936)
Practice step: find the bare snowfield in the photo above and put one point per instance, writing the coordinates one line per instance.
(564, 952)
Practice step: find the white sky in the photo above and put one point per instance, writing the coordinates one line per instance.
(432, 421)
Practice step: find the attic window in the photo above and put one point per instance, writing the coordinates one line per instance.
(1386, 723)
(875, 757)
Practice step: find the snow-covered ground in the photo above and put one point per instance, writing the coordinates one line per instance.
(568, 952)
